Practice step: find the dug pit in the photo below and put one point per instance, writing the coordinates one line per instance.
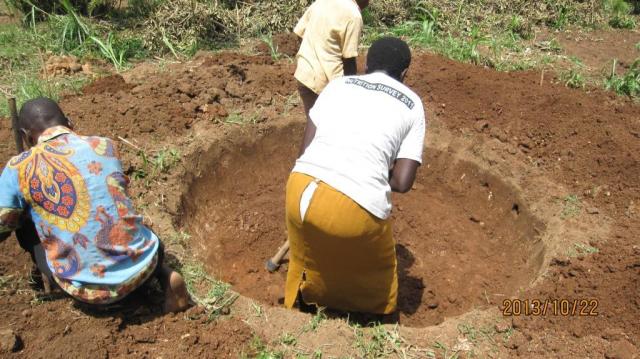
(465, 238)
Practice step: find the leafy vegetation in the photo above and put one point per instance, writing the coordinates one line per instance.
(273, 48)
(571, 207)
(573, 77)
(628, 84)
(619, 11)
(217, 297)
(259, 350)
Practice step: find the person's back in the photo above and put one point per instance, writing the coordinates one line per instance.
(75, 191)
(330, 31)
(66, 200)
(363, 123)
(364, 139)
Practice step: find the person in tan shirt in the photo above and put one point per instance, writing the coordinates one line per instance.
(330, 32)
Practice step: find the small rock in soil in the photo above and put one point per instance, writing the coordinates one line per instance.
(499, 134)
(593, 210)
(9, 341)
(502, 327)
(622, 349)
(481, 125)
(516, 322)
(516, 341)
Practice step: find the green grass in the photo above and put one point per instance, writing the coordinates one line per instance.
(257, 310)
(581, 249)
(217, 297)
(573, 77)
(316, 321)
(504, 51)
(179, 239)
(444, 351)
(161, 162)
(24, 49)
(237, 118)
(259, 350)
(273, 48)
(383, 341)
(5, 281)
(288, 339)
(619, 12)
(626, 85)
(571, 207)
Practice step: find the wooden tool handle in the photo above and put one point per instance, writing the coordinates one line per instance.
(14, 125)
(282, 251)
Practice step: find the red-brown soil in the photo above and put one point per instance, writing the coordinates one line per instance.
(588, 143)
(598, 49)
(285, 44)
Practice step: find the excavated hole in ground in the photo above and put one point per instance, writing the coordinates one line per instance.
(465, 238)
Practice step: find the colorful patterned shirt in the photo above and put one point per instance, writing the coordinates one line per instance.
(75, 191)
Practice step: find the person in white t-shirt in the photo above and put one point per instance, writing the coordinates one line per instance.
(364, 140)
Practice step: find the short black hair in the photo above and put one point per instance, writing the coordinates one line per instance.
(40, 114)
(389, 54)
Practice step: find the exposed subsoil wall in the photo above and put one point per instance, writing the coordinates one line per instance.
(465, 239)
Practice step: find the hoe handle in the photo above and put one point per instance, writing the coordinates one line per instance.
(14, 125)
(274, 263)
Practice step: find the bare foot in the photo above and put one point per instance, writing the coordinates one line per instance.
(176, 294)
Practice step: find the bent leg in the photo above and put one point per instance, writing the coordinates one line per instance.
(342, 257)
(29, 240)
(176, 296)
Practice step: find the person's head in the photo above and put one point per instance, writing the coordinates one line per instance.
(362, 4)
(38, 115)
(389, 55)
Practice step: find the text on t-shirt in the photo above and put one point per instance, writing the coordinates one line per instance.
(398, 95)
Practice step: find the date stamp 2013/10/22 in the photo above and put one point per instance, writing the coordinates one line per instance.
(551, 307)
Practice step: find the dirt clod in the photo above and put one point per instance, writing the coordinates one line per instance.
(502, 327)
(593, 210)
(622, 349)
(9, 341)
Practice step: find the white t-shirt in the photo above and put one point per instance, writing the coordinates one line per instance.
(363, 124)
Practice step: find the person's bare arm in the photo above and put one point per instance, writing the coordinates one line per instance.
(350, 66)
(309, 134)
(403, 174)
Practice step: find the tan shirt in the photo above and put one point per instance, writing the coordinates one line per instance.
(330, 31)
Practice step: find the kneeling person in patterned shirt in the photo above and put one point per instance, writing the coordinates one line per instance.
(66, 198)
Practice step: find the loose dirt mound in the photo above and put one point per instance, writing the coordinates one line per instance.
(170, 102)
(588, 142)
(286, 44)
(465, 238)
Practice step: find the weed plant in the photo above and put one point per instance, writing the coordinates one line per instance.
(627, 84)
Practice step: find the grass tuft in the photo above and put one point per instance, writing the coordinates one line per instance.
(273, 48)
(627, 84)
(218, 297)
(316, 320)
(571, 207)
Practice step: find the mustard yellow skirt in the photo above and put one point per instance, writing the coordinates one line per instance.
(341, 256)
